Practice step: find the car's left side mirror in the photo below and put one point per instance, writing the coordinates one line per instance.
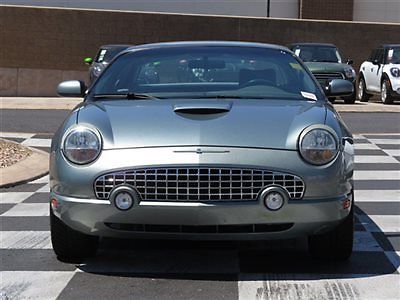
(339, 87)
(71, 88)
(88, 61)
(350, 61)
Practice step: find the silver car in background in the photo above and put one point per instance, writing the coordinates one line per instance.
(207, 141)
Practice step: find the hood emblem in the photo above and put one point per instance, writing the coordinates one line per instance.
(200, 151)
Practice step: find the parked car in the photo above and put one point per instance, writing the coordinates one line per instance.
(103, 57)
(236, 141)
(380, 74)
(325, 62)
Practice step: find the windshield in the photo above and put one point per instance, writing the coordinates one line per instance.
(394, 56)
(208, 72)
(106, 55)
(318, 53)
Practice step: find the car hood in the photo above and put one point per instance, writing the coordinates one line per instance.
(326, 67)
(274, 124)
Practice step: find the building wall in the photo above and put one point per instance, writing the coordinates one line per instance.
(255, 8)
(326, 9)
(377, 11)
(42, 46)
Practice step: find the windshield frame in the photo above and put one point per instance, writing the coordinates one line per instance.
(319, 93)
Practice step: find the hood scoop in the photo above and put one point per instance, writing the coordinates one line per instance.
(203, 108)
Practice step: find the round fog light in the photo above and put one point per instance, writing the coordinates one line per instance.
(274, 200)
(123, 201)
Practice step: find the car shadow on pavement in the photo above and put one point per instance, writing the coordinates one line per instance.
(225, 260)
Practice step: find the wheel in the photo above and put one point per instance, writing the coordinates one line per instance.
(362, 91)
(385, 92)
(70, 245)
(336, 244)
(350, 99)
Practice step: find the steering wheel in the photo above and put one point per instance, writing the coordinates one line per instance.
(257, 82)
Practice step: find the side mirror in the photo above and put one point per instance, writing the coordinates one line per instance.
(339, 87)
(350, 62)
(71, 88)
(375, 62)
(88, 61)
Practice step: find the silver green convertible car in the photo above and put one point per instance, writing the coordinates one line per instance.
(205, 141)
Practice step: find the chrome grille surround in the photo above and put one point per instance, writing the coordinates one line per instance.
(328, 76)
(195, 184)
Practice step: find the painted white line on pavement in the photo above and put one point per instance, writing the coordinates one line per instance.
(14, 197)
(37, 142)
(377, 175)
(33, 284)
(44, 179)
(25, 240)
(392, 152)
(28, 210)
(377, 196)
(19, 135)
(375, 159)
(385, 141)
(366, 147)
(380, 223)
(44, 189)
(364, 241)
(394, 257)
(318, 286)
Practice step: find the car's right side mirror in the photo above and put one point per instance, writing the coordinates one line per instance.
(339, 87)
(88, 61)
(71, 88)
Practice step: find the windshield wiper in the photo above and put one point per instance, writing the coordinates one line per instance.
(226, 97)
(130, 96)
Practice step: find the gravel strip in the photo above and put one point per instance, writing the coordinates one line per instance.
(11, 153)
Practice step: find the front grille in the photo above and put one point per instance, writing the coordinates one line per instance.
(201, 229)
(328, 76)
(198, 183)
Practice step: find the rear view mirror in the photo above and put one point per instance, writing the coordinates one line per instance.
(88, 61)
(206, 64)
(339, 87)
(71, 88)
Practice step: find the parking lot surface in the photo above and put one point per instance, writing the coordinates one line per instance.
(205, 270)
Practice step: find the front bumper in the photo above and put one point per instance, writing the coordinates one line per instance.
(102, 218)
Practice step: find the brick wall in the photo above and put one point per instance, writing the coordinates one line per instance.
(327, 9)
(59, 39)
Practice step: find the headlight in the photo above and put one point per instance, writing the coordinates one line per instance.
(350, 73)
(82, 145)
(98, 69)
(318, 146)
(395, 72)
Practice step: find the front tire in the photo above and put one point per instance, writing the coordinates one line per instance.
(336, 244)
(70, 245)
(362, 91)
(386, 97)
(350, 99)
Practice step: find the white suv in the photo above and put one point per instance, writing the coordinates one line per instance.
(380, 74)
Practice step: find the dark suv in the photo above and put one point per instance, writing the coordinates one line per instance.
(105, 54)
(325, 62)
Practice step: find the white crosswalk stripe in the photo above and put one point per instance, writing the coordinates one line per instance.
(375, 159)
(377, 175)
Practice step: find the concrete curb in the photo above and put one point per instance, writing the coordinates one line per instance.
(34, 166)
